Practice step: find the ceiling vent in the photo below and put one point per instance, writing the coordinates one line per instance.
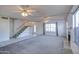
(4, 17)
(8, 17)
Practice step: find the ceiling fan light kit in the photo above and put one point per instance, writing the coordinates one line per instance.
(25, 10)
(24, 14)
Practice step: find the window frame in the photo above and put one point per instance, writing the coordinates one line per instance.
(50, 27)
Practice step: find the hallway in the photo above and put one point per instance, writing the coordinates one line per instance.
(37, 45)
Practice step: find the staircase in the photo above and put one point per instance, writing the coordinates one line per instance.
(21, 29)
(19, 32)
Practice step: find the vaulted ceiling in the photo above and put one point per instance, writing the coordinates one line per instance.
(41, 11)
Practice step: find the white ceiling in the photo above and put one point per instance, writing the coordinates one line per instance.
(41, 11)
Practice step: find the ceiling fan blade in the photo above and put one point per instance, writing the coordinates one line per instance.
(20, 8)
(29, 10)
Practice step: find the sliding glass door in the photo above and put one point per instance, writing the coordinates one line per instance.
(76, 26)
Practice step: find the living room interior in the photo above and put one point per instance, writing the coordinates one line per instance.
(39, 29)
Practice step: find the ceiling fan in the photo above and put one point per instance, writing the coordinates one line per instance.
(25, 10)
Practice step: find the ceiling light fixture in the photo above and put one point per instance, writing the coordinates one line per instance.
(24, 14)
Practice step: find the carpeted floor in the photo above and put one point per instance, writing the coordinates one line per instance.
(37, 45)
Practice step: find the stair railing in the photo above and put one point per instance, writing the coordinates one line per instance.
(24, 24)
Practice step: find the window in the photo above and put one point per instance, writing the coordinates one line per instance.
(50, 27)
(77, 18)
(34, 28)
(53, 27)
